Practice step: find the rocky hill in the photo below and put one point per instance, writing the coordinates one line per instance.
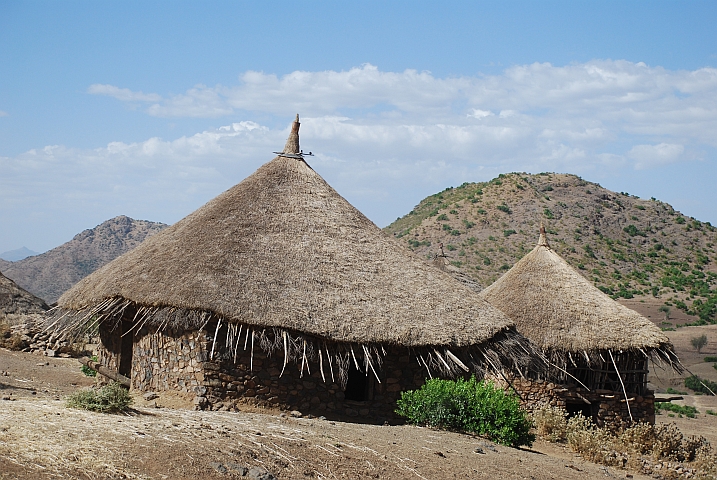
(50, 274)
(627, 246)
(15, 300)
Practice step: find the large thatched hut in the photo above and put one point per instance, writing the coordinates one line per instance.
(278, 291)
(600, 348)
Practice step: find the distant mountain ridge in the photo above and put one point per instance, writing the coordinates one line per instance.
(50, 274)
(628, 247)
(17, 254)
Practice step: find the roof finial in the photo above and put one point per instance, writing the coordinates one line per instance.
(543, 240)
(292, 143)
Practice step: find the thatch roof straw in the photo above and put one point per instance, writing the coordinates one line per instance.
(560, 310)
(283, 249)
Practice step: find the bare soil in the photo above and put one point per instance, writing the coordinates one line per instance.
(41, 438)
(164, 438)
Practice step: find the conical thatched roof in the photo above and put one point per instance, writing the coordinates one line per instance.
(16, 300)
(283, 249)
(559, 310)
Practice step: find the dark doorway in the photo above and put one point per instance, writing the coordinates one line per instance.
(583, 408)
(357, 385)
(125, 364)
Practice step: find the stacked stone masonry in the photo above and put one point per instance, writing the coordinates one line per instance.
(179, 361)
(607, 408)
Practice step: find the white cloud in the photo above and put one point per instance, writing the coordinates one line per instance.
(383, 139)
(122, 94)
(647, 156)
(478, 113)
(3, 114)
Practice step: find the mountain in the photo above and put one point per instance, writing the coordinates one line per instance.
(14, 299)
(627, 246)
(19, 254)
(50, 274)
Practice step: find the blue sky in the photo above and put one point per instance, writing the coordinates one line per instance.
(149, 109)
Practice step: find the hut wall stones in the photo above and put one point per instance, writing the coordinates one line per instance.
(228, 385)
(169, 360)
(179, 361)
(108, 351)
(606, 407)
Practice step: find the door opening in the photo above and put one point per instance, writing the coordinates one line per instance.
(125, 364)
(357, 385)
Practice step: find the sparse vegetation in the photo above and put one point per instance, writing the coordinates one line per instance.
(639, 447)
(112, 398)
(642, 253)
(685, 410)
(551, 423)
(468, 406)
(699, 342)
(701, 385)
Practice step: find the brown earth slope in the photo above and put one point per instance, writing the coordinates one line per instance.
(50, 274)
(628, 247)
(41, 439)
(15, 300)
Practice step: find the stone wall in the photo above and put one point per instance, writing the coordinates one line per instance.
(179, 361)
(109, 348)
(229, 385)
(606, 407)
(169, 360)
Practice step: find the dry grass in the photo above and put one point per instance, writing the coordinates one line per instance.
(50, 441)
(640, 447)
(551, 423)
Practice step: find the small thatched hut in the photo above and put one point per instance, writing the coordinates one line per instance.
(601, 347)
(281, 269)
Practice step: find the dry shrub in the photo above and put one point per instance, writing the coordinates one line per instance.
(551, 422)
(8, 339)
(594, 444)
(111, 398)
(706, 461)
(629, 447)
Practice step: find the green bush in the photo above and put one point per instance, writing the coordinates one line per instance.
(686, 410)
(468, 406)
(87, 370)
(111, 398)
(696, 383)
(710, 359)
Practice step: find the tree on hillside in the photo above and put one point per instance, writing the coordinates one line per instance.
(666, 310)
(699, 342)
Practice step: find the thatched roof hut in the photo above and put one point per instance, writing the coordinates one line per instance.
(561, 311)
(601, 347)
(283, 255)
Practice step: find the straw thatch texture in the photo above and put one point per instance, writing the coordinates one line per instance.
(558, 309)
(283, 249)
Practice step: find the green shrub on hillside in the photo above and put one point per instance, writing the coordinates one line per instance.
(701, 385)
(685, 410)
(468, 406)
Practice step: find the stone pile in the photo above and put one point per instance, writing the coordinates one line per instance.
(31, 337)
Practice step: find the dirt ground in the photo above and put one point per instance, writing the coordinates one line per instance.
(41, 438)
(164, 439)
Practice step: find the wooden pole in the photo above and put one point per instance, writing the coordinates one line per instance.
(102, 370)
